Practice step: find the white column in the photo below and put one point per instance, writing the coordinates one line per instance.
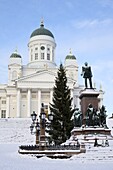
(39, 52)
(18, 103)
(33, 52)
(29, 103)
(51, 54)
(8, 106)
(39, 101)
(45, 53)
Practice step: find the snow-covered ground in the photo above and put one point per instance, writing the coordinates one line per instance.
(15, 132)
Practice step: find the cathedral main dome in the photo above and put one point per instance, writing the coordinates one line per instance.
(41, 48)
(41, 31)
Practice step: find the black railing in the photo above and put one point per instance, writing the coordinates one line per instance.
(29, 147)
(50, 147)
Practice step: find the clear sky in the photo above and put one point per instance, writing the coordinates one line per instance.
(85, 26)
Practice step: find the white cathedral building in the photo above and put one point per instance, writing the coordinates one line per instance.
(32, 84)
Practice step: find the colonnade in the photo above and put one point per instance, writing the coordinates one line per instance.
(29, 102)
(29, 93)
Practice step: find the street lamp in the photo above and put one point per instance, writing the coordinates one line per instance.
(35, 128)
(33, 116)
(31, 128)
(50, 117)
(38, 127)
(37, 132)
(42, 144)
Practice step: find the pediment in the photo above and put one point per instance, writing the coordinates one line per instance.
(43, 76)
(42, 79)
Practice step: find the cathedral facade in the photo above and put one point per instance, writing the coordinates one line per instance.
(32, 84)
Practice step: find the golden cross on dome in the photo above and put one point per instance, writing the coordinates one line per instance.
(16, 50)
(70, 51)
(42, 22)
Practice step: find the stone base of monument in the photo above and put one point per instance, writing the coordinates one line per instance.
(91, 130)
(88, 96)
(97, 136)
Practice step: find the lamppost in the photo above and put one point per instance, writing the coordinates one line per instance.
(35, 127)
(38, 128)
(42, 144)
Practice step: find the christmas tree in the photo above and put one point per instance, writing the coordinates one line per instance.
(61, 109)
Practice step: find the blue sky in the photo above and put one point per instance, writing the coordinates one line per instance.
(84, 26)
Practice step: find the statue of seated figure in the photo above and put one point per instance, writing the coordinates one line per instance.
(77, 118)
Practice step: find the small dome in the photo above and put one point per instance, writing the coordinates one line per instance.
(70, 56)
(41, 31)
(15, 55)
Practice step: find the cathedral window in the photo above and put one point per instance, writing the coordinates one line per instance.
(3, 101)
(48, 56)
(36, 56)
(42, 56)
(36, 48)
(42, 47)
(3, 113)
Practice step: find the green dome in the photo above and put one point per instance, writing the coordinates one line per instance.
(41, 31)
(70, 56)
(15, 55)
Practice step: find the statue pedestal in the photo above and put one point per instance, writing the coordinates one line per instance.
(88, 96)
(89, 107)
(91, 131)
(91, 134)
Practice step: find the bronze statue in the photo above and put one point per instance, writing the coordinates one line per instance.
(90, 115)
(77, 118)
(102, 116)
(96, 118)
(87, 74)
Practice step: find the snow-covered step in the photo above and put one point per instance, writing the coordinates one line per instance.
(99, 154)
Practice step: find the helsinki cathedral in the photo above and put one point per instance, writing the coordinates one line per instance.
(30, 85)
